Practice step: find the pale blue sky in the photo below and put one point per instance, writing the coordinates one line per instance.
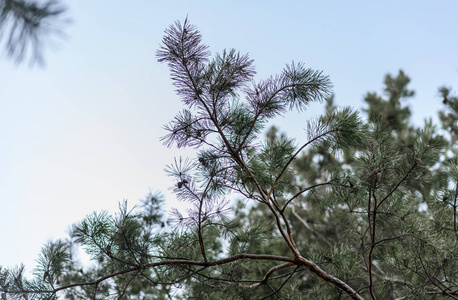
(83, 133)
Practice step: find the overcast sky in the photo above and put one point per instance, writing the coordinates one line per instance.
(82, 134)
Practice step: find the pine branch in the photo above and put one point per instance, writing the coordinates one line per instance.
(281, 286)
(178, 262)
(26, 24)
(305, 190)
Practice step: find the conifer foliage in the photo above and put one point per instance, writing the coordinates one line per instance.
(351, 210)
(25, 24)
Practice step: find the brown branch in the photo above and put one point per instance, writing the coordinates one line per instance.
(288, 228)
(127, 285)
(201, 240)
(199, 221)
(282, 285)
(286, 236)
(185, 262)
(303, 191)
(373, 236)
(270, 272)
(314, 268)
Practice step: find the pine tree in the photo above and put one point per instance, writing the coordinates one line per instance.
(354, 209)
(24, 25)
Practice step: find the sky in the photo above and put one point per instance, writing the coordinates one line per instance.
(83, 133)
